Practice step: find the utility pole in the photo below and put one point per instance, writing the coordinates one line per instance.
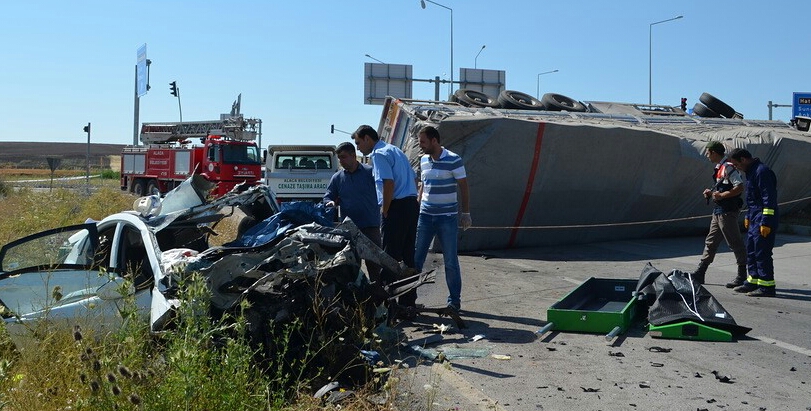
(771, 105)
(87, 177)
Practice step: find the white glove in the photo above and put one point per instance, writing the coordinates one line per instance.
(465, 221)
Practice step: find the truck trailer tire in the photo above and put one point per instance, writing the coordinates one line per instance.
(558, 102)
(704, 111)
(138, 187)
(473, 98)
(152, 187)
(518, 100)
(717, 105)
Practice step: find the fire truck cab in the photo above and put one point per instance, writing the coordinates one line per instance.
(226, 155)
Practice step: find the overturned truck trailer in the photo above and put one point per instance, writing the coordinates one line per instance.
(612, 172)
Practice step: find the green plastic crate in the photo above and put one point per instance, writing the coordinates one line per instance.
(599, 305)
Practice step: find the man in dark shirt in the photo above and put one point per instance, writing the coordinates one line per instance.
(352, 190)
(760, 222)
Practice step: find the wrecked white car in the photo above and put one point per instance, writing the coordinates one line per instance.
(285, 264)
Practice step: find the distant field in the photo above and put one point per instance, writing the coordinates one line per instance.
(34, 155)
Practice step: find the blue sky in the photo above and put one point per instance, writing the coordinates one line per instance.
(299, 64)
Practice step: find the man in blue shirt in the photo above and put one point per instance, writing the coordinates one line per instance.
(352, 189)
(441, 173)
(397, 198)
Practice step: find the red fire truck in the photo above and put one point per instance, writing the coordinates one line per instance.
(227, 155)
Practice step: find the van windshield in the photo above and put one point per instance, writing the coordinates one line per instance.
(304, 162)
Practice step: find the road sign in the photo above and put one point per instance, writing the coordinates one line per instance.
(141, 68)
(801, 104)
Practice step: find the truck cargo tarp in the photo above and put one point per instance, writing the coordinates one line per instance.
(543, 178)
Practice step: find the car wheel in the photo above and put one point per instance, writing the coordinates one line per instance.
(473, 98)
(704, 111)
(518, 100)
(152, 187)
(139, 188)
(717, 105)
(558, 102)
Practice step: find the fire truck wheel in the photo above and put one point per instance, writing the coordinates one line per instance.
(473, 98)
(717, 105)
(152, 187)
(521, 101)
(559, 102)
(704, 111)
(138, 188)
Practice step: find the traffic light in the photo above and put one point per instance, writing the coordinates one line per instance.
(684, 104)
(86, 128)
(173, 88)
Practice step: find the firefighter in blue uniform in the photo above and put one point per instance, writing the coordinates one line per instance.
(760, 222)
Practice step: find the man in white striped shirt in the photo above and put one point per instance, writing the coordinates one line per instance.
(442, 175)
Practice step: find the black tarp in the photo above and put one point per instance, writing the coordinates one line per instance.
(675, 298)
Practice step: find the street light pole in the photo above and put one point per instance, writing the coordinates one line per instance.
(422, 3)
(538, 92)
(374, 59)
(650, 56)
(475, 60)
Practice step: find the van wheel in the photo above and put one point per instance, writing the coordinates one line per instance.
(518, 100)
(716, 105)
(704, 111)
(473, 98)
(152, 187)
(558, 102)
(139, 188)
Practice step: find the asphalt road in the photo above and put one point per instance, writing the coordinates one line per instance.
(505, 297)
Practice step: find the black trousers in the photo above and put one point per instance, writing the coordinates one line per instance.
(399, 230)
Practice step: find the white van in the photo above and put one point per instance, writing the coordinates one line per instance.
(300, 173)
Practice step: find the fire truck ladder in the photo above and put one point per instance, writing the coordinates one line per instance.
(236, 128)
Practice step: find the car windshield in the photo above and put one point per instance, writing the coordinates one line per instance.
(240, 154)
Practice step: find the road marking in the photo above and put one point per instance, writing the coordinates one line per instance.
(790, 347)
(464, 388)
(572, 280)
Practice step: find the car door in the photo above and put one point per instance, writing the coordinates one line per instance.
(60, 274)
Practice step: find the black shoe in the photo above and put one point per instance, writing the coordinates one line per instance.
(405, 313)
(453, 307)
(737, 281)
(745, 288)
(762, 292)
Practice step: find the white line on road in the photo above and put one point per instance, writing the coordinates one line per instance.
(572, 280)
(787, 346)
(476, 396)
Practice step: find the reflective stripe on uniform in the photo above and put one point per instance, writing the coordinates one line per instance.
(759, 282)
(768, 211)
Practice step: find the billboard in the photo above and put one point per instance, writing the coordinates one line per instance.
(381, 80)
(490, 82)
